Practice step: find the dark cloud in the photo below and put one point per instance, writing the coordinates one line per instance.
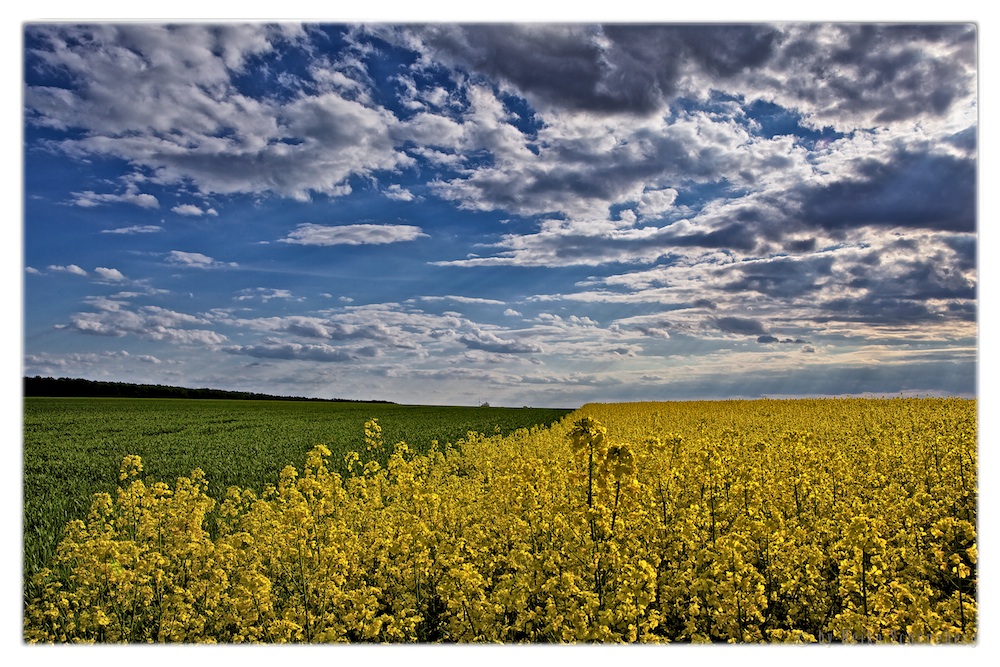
(907, 190)
(893, 60)
(782, 277)
(735, 236)
(965, 312)
(942, 374)
(881, 72)
(875, 73)
(875, 310)
(611, 69)
(964, 246)
(784, 341)
(967, 139)
(800, 245)
(927, 276)
(739, 325)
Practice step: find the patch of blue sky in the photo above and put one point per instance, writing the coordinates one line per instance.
(769, 120)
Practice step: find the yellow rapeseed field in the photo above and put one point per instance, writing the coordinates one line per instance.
(733, 521)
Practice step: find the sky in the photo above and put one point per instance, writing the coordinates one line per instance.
(541, 214)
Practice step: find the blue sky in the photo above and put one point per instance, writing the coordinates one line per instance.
(525, 214)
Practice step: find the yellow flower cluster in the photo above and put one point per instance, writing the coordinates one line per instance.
(763, 521)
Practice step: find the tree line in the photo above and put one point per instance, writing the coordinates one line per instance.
(81, 388)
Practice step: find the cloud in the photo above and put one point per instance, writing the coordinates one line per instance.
(739, 325)
(189, 119)
(582, 167)
(605, 69)
(570, 380)
(655, 202)
(196, 260)
(265, 294)
(464, 299)
(192, 210)
(870, 283)
(905, 189)
(595, 242)
(186, 119)
(399, 333)
(490, 342)
(71, 268)
(781, 277)
(870, 75)
(843, 75)
(653, 331)
(767, 339)
(297, 351)
(151, 322)
(112, 275)
(61, 362)
(339, 328)
(398, 193)
(362, 234)
(90, 199)
(134, 229)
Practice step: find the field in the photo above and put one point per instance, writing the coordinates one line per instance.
(731, 521)
(74, 446)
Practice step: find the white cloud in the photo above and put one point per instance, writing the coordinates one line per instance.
(90, 199)
(196, 260)
(297, 351)
(656, 202)
(113, 275)
(134, 229)
(151, 322)
(188, 209)
(265, 294)
(580, 242)
(51, 362)
(71, 268)
(185, 121)
(464, 299)
(582, 165)
(398, 193)
(363, 234)
(432, 130)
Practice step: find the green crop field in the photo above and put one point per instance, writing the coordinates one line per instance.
(73, 446)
